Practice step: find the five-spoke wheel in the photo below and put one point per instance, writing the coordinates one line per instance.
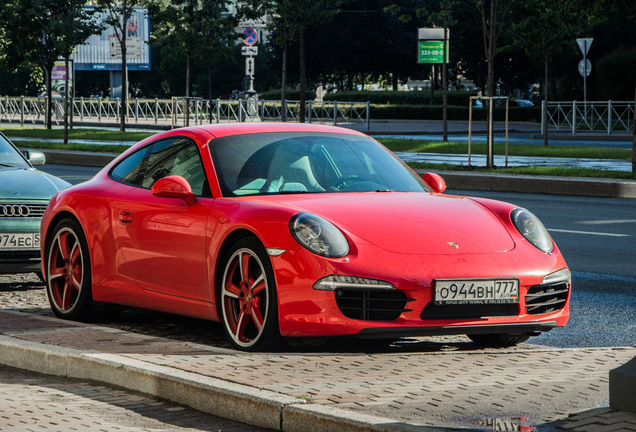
(248, 298)
(67, 268)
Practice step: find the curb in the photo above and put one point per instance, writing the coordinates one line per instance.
(604, 188)
(232, 401)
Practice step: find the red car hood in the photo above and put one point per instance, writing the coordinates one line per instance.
(418, 223)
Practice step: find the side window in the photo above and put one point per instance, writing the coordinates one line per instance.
(131, 169)
(178, 156)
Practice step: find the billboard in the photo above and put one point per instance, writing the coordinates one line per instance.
(58, 78)
(103, 52)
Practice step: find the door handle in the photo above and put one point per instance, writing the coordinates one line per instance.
(125, 217)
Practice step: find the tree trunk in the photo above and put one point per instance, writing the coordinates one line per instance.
(303, 84)
(283, 85)
(66, 101)
(124, 71)
(49, 97)
(444, 96)
(187, 83)
(546, 93)
(634, 136)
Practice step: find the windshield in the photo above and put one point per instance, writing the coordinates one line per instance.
(276, 163)
(9, 156)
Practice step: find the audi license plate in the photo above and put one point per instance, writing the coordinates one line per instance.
(20, 241)
(476, 291)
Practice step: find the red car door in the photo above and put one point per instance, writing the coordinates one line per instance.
(165, 243)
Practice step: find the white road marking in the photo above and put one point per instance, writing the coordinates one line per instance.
(603, 222)
(589, 233)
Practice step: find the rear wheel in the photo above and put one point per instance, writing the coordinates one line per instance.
(68, 272)
(498, 340)
(248, 302)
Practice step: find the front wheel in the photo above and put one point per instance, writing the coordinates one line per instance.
(68, 272)
(249, 311)
(498, 340)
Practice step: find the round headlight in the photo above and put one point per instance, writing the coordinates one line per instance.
(318, 235)
(532, 229)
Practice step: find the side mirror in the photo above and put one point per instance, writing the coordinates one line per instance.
(35, 157)
(174, 187)
(435, 182)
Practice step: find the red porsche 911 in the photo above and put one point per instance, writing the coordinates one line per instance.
(294, 231)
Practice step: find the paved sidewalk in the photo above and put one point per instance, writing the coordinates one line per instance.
(420, 385)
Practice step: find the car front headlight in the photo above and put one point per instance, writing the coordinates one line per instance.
(318, 235)
(532, 229)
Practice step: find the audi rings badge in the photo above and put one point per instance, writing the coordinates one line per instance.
(14, 210)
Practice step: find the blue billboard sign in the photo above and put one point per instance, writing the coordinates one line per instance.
(103, 52)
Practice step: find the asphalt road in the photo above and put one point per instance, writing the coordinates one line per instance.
(596, 236)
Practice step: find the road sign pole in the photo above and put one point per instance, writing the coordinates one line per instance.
(585, 48)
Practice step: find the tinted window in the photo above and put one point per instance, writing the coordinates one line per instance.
(9, 156)
(308, 162)
(130, 170)
(177, 156)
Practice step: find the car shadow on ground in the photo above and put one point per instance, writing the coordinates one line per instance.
(27, 294)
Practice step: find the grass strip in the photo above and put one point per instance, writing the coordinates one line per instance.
(80, 134)
(588, 152)
(530, 170)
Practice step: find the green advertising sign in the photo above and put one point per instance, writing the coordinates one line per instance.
(430, 51)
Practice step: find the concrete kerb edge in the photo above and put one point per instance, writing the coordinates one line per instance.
(232, 401)
(606, 188)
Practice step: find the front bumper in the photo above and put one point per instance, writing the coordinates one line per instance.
(307, 312)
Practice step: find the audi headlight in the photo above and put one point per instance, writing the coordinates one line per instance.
(318, 235)
(532, 229)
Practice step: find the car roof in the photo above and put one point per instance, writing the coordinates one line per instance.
(226, 129)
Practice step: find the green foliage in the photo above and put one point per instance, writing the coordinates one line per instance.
(615, 75)
(426, 112)
(460, 98)
(290, 94)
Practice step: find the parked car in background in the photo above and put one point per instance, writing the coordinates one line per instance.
(298, 231)
(24, 194)
(521, 103)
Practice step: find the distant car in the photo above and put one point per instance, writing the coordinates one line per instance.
(282, 230)
(521, 103)
(24, 194)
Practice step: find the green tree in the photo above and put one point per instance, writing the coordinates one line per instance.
(192, 27)
(41, 32)
(545, 28)
(120, 13)
(494, 14)
(291, 20)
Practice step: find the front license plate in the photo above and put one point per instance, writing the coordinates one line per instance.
(20, 241)
(476, 291)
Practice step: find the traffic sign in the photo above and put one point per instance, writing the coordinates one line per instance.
(585, 68)
(249, 66)
(249, 50)
(584, 44)
(431, 51)
(431, 33)
(250, 36)
(254, 23)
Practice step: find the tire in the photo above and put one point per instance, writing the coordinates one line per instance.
(498, 340)
(68, 272)
(247, 298)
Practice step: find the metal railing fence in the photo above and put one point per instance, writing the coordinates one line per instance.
(576, 116)
(179, 111)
